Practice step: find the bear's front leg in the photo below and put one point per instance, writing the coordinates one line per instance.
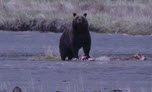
(86, 49)
(75, 47)
(75, 53)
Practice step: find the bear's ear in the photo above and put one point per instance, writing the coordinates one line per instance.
(85, 14)
(74, 14)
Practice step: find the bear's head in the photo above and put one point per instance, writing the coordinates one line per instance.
(80, 23)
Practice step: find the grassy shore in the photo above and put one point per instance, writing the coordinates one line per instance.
(105, 16)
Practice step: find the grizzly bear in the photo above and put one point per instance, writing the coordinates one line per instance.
(75, 38)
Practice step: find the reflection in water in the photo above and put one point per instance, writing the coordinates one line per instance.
(135, 89)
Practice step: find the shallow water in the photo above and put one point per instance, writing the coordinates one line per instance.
(18, 68)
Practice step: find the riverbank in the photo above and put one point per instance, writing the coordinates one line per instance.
(110, 16)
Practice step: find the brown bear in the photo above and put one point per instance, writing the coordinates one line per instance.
(75, 38)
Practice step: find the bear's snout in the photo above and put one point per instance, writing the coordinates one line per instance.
(79, 20)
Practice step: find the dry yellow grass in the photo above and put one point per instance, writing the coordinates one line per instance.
(107, 16)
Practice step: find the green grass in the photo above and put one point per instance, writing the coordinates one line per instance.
(104, 16)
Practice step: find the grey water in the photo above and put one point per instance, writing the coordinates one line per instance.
(18, 68)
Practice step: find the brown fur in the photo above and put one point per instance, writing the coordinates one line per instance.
(75, 38)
